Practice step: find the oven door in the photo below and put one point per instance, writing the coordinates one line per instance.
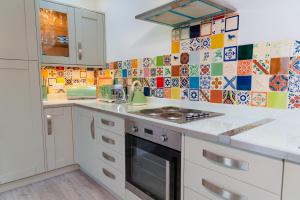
(152, 170)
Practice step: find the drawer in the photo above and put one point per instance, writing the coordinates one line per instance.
(261, 171)
(111, 140)
(191, 195)
(111, 157)
(110, 123)
(211, 184)
(111, 178)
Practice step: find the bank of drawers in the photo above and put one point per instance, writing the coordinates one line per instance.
(111, 123)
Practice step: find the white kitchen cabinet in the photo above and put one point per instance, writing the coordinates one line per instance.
(59, 137)
(21, 134)
(90, 37)
(291, 179)
(85, 140)
(18, 30)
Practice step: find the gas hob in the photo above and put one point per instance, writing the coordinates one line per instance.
(177, 114)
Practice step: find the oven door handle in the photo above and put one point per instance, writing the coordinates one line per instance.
(168, 180)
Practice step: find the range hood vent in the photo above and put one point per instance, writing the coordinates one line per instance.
(185, 12)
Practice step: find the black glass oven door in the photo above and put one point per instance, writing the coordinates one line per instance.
(153, 168)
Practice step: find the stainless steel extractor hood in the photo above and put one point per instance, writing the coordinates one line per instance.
(183, 12)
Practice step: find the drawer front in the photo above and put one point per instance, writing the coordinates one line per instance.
(110, 123)
(213, 185)
(191, 195)
(111, 140)
(114, 159)
(111, 178)
(251, 168)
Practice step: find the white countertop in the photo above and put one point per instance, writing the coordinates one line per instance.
(279, 139)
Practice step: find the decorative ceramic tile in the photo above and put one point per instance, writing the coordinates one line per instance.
(135, 72)
(175, 59)
(280, 49)
(259, 99)
(218, 25)
(194, 95)
(194, 70)
(230, 68)
(159, 82)
(232, 23)
(231, 39)
(167, 93)
(176, 34)
(152, 72)
(185, 33)
(159, 61)
(159, 93)
(159, 71)
(184, 58)
(262, 51)
(184, 70)
(124, 73)
(167, 82)
(229, 97)
(195, 31)
(294, 101)
(195, 44)
(134, 63)
(175, 93)
(279, 83)
(152, 82)
(194, 57)
(245, 52)
(217, 69)
(205, 69)
(205, 42)
(153, 92)
(217, 55)
(243, 97)
(294, 83)
(230, 53)
(279, 65)
(204, 95)
(295, 48)
(229, 82)
(260, 83)
(129, 73)
(205, 29)
(194, 82)
(244, 67)
(261, 67)
(205, 56)
(184, 82)
(217, 41)
(185, 46)
(147, 91)
(277, 100)
(146, 72)
(204, 82)
(217, 83)
(175, 82)
(294, 67)
(167, 71)
(185, 94)
(175, 70)
(140, 72)
(216, 96)
(244, 83)
(167, 60)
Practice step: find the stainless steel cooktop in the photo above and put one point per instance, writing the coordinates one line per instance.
(177, 114)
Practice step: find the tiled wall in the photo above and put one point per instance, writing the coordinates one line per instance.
(207, 64)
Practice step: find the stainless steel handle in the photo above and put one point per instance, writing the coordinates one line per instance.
(221, 192)
(49, 124)
(167, 180)
(107, 122)
(93, 128)
(108, 157)
(108, 140)
(226, 162)
(80, 51)
(108, 174)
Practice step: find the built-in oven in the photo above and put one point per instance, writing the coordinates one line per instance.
(153, 161)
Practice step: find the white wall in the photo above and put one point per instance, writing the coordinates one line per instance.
(89, 4)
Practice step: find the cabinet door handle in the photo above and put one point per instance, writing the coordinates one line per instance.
(108, 174)
(107, 122)
(93, 128)
(80, 51)
(108, 157)
(108, 140)
(221, 192)
(226, 162)
(49, 124)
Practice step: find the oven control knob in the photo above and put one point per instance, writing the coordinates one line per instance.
(135, 129)
(164, 138)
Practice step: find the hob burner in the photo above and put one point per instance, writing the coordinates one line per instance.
(172, 115)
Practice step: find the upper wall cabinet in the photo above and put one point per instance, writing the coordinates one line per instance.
(18, 30)
(90, 37)
(57, 33)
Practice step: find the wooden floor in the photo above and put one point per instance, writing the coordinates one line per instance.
(72, 186)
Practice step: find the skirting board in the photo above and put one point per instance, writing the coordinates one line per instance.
(37, 178)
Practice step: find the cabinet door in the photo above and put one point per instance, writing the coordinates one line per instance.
(21, 137)
(291, 181)
(90, 37)
(18, 30)
(57, 29)
(85, 141)
(59, 137)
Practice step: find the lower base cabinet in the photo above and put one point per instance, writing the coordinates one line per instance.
(191, 195)
(291, 181)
